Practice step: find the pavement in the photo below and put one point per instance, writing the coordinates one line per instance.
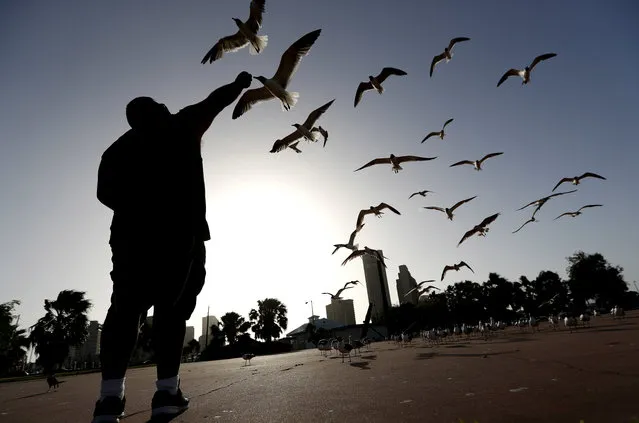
(591, 376)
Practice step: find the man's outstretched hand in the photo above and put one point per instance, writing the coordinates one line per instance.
(244, 79)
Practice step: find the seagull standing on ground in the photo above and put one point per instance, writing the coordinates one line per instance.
(422, 193)
(456, 268)
(376, 82)
(449, 211)
(426, 289)
(305, 130)
(447, 54)
(351, 241)
(376, 210)
(525, 72)
(276, 86)
(578, 212)
(480, 229)
(395, 161)
(477, 163)
(577, 179)
(439, 134)
(245, 36)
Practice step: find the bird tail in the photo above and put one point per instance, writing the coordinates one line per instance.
(289, 100)
(258, 44)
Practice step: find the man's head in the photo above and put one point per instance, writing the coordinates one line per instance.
(145, 113)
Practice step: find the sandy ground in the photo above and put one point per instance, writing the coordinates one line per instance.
(591, 375)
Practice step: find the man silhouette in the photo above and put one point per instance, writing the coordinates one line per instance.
(152, 178)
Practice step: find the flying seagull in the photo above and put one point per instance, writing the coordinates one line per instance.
(480, 229)
(539, 203)
(422, 193)
(578, 212)
(245, 36)
(449, 211)
(351, 241)
(276, 86)
(447, 54)
(439, 134)
(305, 130)
(337, 295)
(376, 82)
(419, 285)
(365, 251)
(456, 268)
(376, 210)
(395, 161)
(577, 179)
(525, 73)
(532, 219)
(477, 163)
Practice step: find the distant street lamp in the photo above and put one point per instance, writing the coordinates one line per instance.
(312, 312)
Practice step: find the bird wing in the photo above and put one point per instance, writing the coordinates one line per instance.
(293, 56)
(446, 123)
(525, 223)
(382, 206)
(488, 220)
(254, 21)
(463, 263)
(441, 209)
(413, 194)
(455, 41)
(351, 239)
(360, 217)
(488, 156)
(592, 175)
(328, 293)
(363, 86)
(249, 98)
(436, 60)
(527, 205)
(467, 235)
(356, 253)
(315, 114)
(541, 58)
(432, 134)
(374, 162)
(446, 269)
(461, 202)
(225, 45)
(280, 145)
(561, 182)
(402, 159)
(337, 247)
(409, 292)
(563, 214)
(509, 73)
(561, 193)
(337, 295)
(324, 133)
(386, 72)
(590, 205)
(294, 147)
(470, 162)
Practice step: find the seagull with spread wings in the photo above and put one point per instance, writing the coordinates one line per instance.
(337, 295)
(477, 163)
(366, 251)
(376, 210)
(441, 134)
(447, 54)
(525, 72)
(395, 161)
(456, 268)
(424, 290)
(276, 87)
(351, 241)
(480, 229)
(449, 211)
(539, 203)
(422, 193)
(578, 212)
(577, 179)
(305, 130)
(375, 82)
(245, 36)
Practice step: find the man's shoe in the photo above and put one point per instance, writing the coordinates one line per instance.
(109, 410)
(166, 404)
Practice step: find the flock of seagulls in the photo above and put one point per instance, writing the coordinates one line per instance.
(276, 88)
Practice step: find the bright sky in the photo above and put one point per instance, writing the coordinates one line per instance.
(69, 69)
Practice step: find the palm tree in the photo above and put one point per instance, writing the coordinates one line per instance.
(269, 320)
(13, 342)
(233, 325)
(64, 325)
(195, 346)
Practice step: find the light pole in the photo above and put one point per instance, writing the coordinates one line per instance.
(312, 312)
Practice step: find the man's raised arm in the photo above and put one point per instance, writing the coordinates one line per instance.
(199, 116)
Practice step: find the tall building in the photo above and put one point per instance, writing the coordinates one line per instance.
(189, 335)
(405, 282)
(87, 354)
(341, 311)
(212, 320)
(376, 286)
